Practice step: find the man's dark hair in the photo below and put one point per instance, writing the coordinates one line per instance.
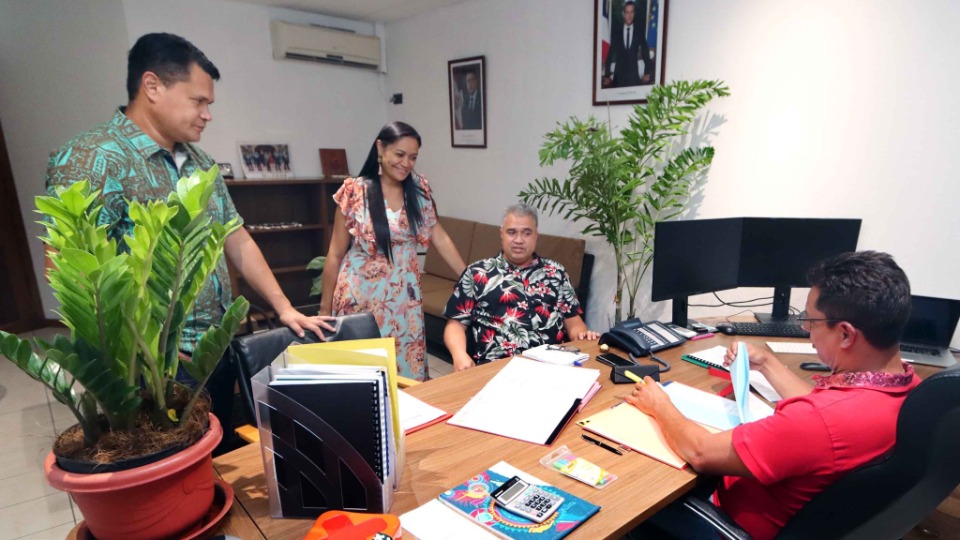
(867, 289)
(167, 55)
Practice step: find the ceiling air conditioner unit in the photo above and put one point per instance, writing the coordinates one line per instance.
(318, 44)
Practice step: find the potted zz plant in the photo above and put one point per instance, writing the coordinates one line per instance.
(138, 462)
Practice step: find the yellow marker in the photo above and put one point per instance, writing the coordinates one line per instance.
(633, 377)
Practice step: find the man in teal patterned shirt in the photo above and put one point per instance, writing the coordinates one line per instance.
(146, 147)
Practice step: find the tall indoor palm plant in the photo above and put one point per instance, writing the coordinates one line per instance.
(622, 185)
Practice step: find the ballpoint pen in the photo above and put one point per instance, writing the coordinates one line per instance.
(601, 444)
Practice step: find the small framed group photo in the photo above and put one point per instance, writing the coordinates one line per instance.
(265, 160)
(468, 102)
(629, 49)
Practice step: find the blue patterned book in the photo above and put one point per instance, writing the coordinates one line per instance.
(472, 499)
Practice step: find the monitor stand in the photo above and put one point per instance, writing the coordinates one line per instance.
(781, 309)
(680, 311)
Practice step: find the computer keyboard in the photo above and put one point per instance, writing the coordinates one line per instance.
(770, 329)
(920, 350)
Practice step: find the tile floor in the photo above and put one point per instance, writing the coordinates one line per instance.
(29, 420)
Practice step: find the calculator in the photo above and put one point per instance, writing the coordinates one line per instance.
(526, 499)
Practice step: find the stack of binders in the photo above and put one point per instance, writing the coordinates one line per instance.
(329, 428)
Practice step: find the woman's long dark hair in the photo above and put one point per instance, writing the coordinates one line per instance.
(370, 172)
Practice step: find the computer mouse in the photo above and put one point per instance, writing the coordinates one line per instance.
(726, 329)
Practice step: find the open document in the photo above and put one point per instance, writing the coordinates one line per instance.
(553, 392)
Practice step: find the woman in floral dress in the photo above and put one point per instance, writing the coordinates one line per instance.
(385, 213)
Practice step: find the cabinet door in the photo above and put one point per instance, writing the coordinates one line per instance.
(20, 302)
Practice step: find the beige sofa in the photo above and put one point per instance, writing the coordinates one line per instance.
(477, 241)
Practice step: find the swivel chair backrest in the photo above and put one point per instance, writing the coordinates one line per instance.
(887, 498)
(254, 352)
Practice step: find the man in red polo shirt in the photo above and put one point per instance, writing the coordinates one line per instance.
(855, 313)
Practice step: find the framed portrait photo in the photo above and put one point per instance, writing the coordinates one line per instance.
(265, 160)
(629, 49)
(468, 102)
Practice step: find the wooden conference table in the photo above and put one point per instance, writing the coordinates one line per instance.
(442, 456)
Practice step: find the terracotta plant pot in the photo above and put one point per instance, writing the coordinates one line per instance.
(159, 500)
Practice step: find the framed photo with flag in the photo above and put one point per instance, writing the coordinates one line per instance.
(629, 49)
(468, 102)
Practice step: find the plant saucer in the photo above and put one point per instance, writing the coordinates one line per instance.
(222, 501)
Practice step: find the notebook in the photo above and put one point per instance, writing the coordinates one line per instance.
(926, 338)
(354, 408)
(472, 499)
(713, 357)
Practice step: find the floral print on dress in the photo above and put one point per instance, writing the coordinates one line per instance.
(508, 309)
(368, 282)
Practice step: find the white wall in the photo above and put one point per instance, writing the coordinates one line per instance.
(838, 109)
(260, 99)
(63, 70)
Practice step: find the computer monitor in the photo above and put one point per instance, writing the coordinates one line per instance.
(778, 252)
(707, 255)
(694, 257)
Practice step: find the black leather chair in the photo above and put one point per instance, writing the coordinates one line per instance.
(891, 495)
(253, 352)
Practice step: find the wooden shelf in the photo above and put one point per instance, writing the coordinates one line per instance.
(285, 181)
(287, 250)
(289, 269)
(310, 227)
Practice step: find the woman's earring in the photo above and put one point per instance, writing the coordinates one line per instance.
(379, 161)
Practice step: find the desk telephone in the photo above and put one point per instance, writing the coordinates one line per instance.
(640, 339)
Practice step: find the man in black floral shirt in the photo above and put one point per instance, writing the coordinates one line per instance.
(517, 300)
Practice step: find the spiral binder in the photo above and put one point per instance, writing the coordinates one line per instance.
(326, 441)
(712, 357)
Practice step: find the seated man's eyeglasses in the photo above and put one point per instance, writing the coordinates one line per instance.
(805, 322)
(563, 348)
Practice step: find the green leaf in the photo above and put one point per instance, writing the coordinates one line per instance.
(621, 185)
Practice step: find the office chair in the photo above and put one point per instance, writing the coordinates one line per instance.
(891, 495)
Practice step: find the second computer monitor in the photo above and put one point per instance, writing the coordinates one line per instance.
(700, 256)
(778, 252)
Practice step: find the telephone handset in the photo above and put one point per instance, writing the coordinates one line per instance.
(641, 339)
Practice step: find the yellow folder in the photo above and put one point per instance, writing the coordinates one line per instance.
(626, 425)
